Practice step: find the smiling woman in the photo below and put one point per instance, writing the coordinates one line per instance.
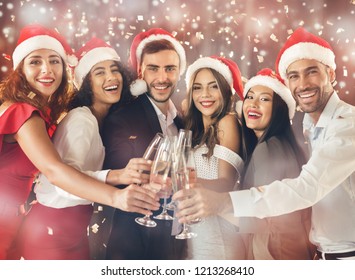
(78, 142)
(213, 84)
(272, 153)
(43, 70)
(32, 99)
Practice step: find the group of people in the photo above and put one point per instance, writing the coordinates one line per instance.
(79, 143)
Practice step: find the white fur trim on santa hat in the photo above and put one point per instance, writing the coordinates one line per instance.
(138, 87)
(208, 62)
(155, 37)
(277, 87)
(305, 50)
(36, 43)
(89, 59)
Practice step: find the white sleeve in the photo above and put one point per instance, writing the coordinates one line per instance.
(328, 167)
(73, 141)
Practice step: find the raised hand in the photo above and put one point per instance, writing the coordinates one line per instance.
(199, 202)
(134, 198)
(135, 172)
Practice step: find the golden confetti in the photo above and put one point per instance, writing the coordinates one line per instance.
(50, 231)
(273, 37)
(95, 228)
(345, 72)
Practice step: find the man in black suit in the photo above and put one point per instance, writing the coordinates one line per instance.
(159, 60)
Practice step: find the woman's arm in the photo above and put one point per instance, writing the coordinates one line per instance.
(229, 137)
(34, 141)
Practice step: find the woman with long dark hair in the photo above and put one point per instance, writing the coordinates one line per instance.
(213, 84)
(32, 99)
(272, 153)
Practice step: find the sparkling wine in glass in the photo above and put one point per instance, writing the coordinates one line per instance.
(160, 177)
(149, 154)
(174, 143)
(191, 169)
(182, 182)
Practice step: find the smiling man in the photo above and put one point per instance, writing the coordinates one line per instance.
(159, 60)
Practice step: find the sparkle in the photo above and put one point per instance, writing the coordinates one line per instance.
(249, 32)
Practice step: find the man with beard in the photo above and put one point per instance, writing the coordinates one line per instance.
(159, 60)
(327, 180)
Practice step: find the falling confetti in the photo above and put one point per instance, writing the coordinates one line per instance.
(237, 29)
(95, 228)
(49, 231)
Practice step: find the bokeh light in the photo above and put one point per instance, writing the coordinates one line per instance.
(249, 32)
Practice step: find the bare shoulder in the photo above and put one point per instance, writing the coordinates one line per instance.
(229, 132)
(228, 122)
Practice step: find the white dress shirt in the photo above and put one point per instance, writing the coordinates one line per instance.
(78, 142)
(167, 124)
(326, 182)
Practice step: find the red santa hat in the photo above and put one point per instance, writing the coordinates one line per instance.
(268, 78)
(139, 42)
(94, 51)
(34, 37)
(304, 45)
(226, 67)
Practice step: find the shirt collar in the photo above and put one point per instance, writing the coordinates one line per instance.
(172, 111)
(326, 115)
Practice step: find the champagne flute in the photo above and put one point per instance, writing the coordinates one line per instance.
(182, 182)
(149, 154)
(191, 169)
(174, 142)
(180, 143)
(159, 175)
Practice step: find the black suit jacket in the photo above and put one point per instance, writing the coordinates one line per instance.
(128, 132)
(126, 135)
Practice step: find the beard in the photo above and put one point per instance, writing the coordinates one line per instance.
(318, 101)
(160, 97)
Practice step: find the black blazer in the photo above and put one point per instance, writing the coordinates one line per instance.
(126, 135)
(128, 131)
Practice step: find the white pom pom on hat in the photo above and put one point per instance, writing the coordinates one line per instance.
(136, 50)
(138, 87)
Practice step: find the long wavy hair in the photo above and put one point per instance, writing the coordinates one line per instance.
(84, 96)
(193, 117)
(279, 127)
(15, 88)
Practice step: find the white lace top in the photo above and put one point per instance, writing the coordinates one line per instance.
(208, 168)
(217, 239)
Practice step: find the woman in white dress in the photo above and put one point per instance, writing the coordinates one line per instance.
(213, 84)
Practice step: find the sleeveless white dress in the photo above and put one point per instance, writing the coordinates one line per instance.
(217, 239)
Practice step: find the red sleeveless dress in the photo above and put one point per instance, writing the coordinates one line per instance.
(16, 174)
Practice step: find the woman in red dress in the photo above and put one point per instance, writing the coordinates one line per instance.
(32, 98)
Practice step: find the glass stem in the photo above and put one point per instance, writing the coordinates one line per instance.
(164, 205)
